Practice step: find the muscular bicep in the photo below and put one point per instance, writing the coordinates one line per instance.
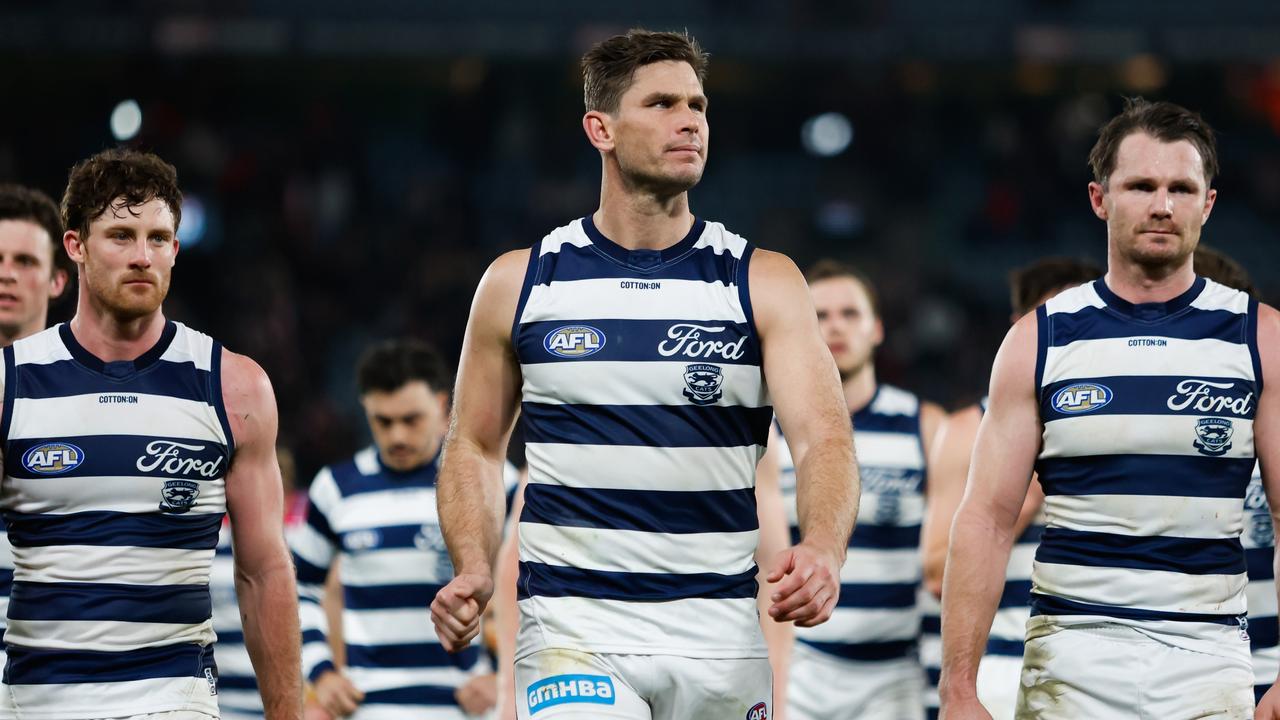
(255, 495)
(1266, 421)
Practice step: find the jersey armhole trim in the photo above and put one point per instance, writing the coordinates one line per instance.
(215, 394)
(530, 277)
(741, 272)
(1042, 351)
(1251, 337)
(10, 389)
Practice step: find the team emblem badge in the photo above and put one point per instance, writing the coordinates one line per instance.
(1214, 436)
(430, 539)
(702, 383)
(177, 496)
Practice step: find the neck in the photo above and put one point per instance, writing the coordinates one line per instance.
(859, 387)
(640, 219)
(110, 337)
(1138, 283)
(9, 334)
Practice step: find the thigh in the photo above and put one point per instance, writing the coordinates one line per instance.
(999, 677)
(711, 689)
(567, 684)
(826, 688)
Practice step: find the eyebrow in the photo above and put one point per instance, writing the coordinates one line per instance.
(673, 97)
(129, 229)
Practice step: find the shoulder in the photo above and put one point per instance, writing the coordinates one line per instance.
(247, 395)
(1269, 343)
(774, 267)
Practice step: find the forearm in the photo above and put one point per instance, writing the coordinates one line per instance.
(827, 490)
(268, 601)
(471, 503)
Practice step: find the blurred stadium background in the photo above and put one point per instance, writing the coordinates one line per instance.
(351, 168)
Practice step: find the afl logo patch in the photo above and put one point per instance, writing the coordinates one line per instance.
(52, 458)
(1081, 398)
(177, 496)
(759, 711)
(574, 341)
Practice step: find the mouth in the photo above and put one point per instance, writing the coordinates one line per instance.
(837, 348)
(686, 149)
(8, 298)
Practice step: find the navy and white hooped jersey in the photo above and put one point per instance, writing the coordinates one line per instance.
(645, 412)
(1259, 540)
(113, 494)
(1147, 451)
(383, 524)
(237, 685)
(878, 615)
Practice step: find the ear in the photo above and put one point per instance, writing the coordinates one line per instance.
(1209, 199)
(74, 246)
(598, 127)
(443, 398)
(177, 245)
(58, 283)
(1098, 193)
(878, 337)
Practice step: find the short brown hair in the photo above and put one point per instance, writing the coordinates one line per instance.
(829, 269)
(609, 67)
(392, 364)
(131, 176)
(1030, 283)
(1221, 268)
(18, 202)
(1163, 121)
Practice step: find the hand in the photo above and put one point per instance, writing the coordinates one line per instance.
(1269, 705)
(457, 608)
(811, 589)
(336, 694)
(479, 694)
(967, 709)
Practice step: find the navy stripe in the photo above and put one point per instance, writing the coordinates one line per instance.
(183, 604)
(214, 391)
(6, 581)
(1259, 691)
(1251, 336)
(1093, 323)
(876, 537)
(702, 264)
(1160, 475)
(410, 655)
(236, 682)
(888, 650)
(230, 637)
(6, 413)
(541, 580)
(645, 341)
(1264, 632)
(877, 595)
(1151, 395)
(866, 421)
(317, 520)
(742, 272)
(310, 636)
(308, 573)
(1016, 593)
(1042, 343)
(931, 624)
(1050, 605)
(389, 597)
(526, 287)
(1008, 648)
(413, 695)
(392, 537)
(664, 426)
(1191, 556)
(1260, 563)
(1031, 535)
(191, 531)
(351, 481)
(660, 511)
(30, 666)
(65, 378)
(127, 455)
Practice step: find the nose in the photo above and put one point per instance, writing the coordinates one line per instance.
(1161, 203)
(140, 257)
(8, 271)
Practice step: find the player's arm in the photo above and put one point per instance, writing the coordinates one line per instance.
(982, 533)
(807, 398)
(1266, 440)
(948, 468)
(469, 490)
(263, 572)
(774, 539)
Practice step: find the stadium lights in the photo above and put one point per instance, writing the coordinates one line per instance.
(827, 135)
(126, 120)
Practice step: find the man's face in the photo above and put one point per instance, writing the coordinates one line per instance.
(408, 423)
(1155, 201)
(28, 278)
(849, 325)
(127, 259)
(659, 130)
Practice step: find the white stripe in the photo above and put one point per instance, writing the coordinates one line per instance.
(1010, 623)
(640, 552)
(855, 625)
(104, 635)
(115, 564)
(635, 383)
(311, 546)
(1181, 358)
(1021, 560)
(313, 654)
(882, 566)
(603, 299)
(324, 493)
(367, 461)
(697, 627)
(1266, 665)
(383, 627)
(571, 234)
(373, 679)
(392, 566)
(889, 450)
(1074, 300)
(385, 508)
(76, 701)
(643, 468)
(244, 701)
(1262, 599)
(1147, 515)
(65, 495)
(233, 659)
(891, 400)
(1220, 297)
(43, 348)
(190, 346)
(931, 651)
(720, 240)
(1087, 436)
(1143, 589)
(388, 711)
(192, 420)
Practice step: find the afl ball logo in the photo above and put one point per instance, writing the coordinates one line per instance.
(574, 341)
(52, 458)
(1081, 398)
(759, 711)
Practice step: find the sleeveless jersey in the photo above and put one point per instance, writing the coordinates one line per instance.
(645, 413)
(1147, 452)
(1259, 540)
(114, 495)
(877, 616)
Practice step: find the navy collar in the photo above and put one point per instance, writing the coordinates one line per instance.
(1152, 311)
(426, 471)
(644, 261)
(118, 368)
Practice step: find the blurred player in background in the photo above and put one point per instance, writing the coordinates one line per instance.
(1001, 666)
(646, 345)
(864, 661)
(377, 512)
(1139, 400)
(127, 438)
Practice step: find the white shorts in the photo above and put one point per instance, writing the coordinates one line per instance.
(1110, 671)
(563, 684)
(999, 677)
(825, 687)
